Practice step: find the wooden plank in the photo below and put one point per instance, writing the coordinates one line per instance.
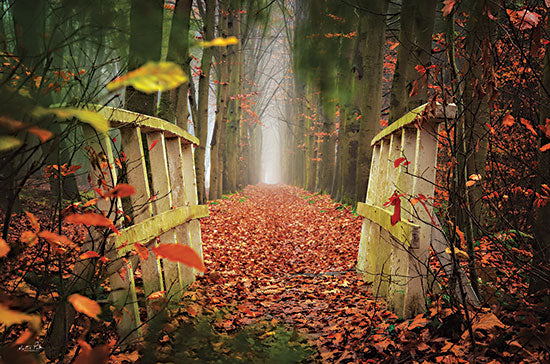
(409, 118)
(373, 174)
(399, 272)
(136, 169)
(190, 183)
(395, 153)
(404, 231)
(123, 293)
(175, 170)
(383, 264)
(156, 226)
(120, 117)
(101, 151)
(424, 171)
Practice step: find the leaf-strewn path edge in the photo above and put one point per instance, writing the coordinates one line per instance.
(284, 253)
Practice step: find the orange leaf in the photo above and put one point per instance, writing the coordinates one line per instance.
(544, 148)
(42, 134)
(34, 221)
(470, 183)
(508, 120)
(156, 295)
(85, 305)
(89, 219)
(121, 190)
(142, 251)
(28, 237)
(448, 6)
(179, 253)
(54, 238)
(528, 125)
(88, 255)
(4, 248)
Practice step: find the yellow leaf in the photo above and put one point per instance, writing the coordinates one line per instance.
(85, 305)
(461, 254)
(8, 142)
(95, 119)
(151, 77)
(10, 317)
(4, 248)
(475, 177)
(219, 42)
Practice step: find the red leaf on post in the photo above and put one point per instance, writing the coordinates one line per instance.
(153, 145)
(179, 253)
(395, 201)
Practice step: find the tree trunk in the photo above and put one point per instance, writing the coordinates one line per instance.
(232, 127)
(371, 101)
(173, 103)
(145, 45)
(201, 124)
(540, 276)
(216, 156)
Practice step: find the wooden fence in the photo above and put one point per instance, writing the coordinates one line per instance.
(166, 210)
(395, 257)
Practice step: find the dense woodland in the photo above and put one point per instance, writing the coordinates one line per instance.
(286, 92)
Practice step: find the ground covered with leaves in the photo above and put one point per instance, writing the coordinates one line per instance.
(281, 256)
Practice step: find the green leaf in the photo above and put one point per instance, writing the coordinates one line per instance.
(151, 77)
(95, 119)
(8, 142)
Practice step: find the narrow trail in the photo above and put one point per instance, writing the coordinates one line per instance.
(278, 252)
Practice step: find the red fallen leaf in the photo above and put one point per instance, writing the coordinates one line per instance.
(85, 305)
(103, 260)
(153, 145)
(528, 125)
(142, 251)
(71, 170)
(419, 321)
(508, 120)
(28, 237)
(448, 6)
(524, 19)
(89, 219)
(121, 190)
(34, 221)
(97, 355)
(179, 253)
(544, 148)
(89, 254)
(4, 248)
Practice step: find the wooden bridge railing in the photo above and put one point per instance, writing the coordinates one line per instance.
(171, 214)
(395, 257)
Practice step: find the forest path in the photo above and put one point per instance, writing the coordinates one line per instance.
(279, 252)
